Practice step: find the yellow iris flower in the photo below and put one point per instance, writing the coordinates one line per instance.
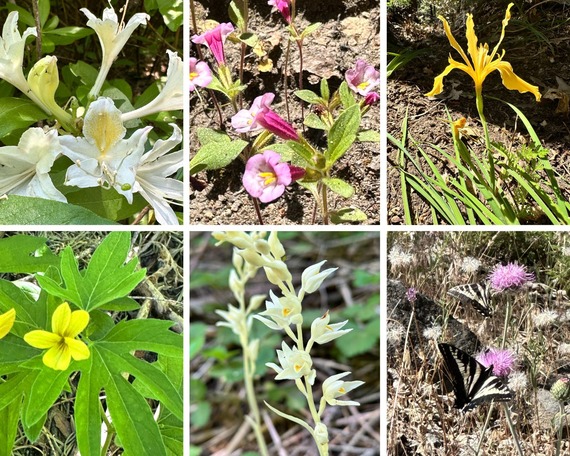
(481, 63)
(61, 343)
(6, 322)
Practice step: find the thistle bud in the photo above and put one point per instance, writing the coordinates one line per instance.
(561, 389)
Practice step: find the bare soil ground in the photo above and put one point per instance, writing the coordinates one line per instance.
(350, 31)
(537, 44)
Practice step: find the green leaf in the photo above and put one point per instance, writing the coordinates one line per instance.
(172, 13)
(361, 340)
(302, 151)
(9, 417)
(339, 186)
(342, 134)
(154, 380)
(67, 35)
(236, 13)
(309, 96)
(33, 432)
(314, 121)
(132, 418)
(249, 38)
(151, 335)
(208, 135)
(368, 136)
(26, 254)
(16, 385)
(123, 304)
(18, 113)
(215, 155)
(311, 28)
(45, 390)
(346, 96)
(24, 210)
(347, 214)
(106, 278)
(87, 412)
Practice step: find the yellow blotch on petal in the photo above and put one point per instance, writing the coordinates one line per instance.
(478, 63)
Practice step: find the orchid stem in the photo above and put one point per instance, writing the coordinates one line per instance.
(325, 204)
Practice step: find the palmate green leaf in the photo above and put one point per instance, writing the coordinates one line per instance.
(26, 254)
(132, 417)
(30, 314)
(342, 134)
(216, 155)
(9, 417)
(25, 210)
(18, 113)
(106, 278)
(15, 386)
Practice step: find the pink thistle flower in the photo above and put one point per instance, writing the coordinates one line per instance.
(371, 98)
(283, 7)
(200, 74)
(362, 78)
(272, 122)
(509, 276)
(265, 178)
(215, 40)
(244, 121)
(412, 295)
(503, 361)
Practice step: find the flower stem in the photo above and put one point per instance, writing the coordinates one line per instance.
(559, 439)
(479, 101)
(508, 314)
(512, 429)
(325, 209)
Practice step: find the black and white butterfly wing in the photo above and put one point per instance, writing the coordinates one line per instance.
(476, 294)
(473, 383)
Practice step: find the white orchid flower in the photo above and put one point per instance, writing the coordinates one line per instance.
(25, 167)
(295, 364)
(334, 387)
(113, 37)
(170, 97)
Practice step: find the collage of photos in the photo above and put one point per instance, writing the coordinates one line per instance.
(284, 228)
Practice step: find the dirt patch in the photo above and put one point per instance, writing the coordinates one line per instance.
(537, 46)
(350, 31)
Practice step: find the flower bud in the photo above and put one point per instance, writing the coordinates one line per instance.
(312, 279)
(561, 389)
(277, 273)
(43, 80)
(255, 301)
(275, 245)
(321, 434)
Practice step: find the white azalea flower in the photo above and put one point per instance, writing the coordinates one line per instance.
(112, 37)
(170, 97)
(25, 167)
(152, 181)
(102, 157)
(334, 387)
(12, 46)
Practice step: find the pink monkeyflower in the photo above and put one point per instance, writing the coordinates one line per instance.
(283, 7)
(509, 276)
(274, 123)
(503, 361)
(362, 78)
(265, 178)
(260, 116)
(245, 119)
(371, 98)
(215, 40)
(200, 74)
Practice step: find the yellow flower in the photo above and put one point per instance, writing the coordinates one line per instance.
(6, 322)
(61, 342)
(481, 63)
